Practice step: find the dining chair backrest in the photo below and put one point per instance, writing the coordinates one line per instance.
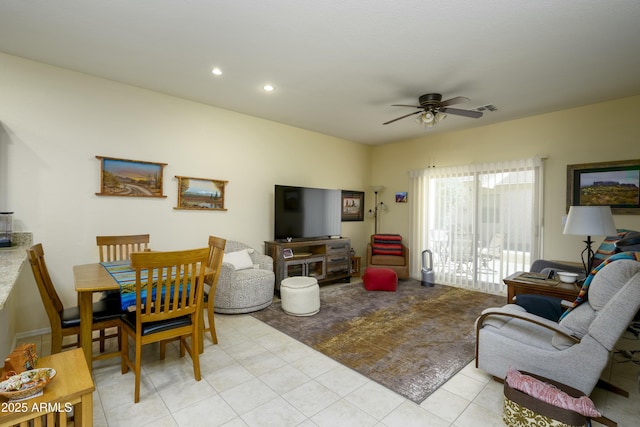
(170, 274)
(50, 299)
(118, 248)
(216, 253)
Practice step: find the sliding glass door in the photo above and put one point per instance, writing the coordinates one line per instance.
(481, 222)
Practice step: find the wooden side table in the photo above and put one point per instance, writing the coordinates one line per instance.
(355, 266)
(533, 283)
(72, 388)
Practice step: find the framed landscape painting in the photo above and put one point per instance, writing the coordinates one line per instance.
(614, 184)
(130, 178)
(200, 194)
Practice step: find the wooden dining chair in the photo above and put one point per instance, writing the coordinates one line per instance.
(216, 253)
(66, 321)
(169, 293)
(118, 248)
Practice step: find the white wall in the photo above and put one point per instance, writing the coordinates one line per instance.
(55, 121)
(607, 131)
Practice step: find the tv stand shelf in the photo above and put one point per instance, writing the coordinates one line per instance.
(302, 255)
(328, 260)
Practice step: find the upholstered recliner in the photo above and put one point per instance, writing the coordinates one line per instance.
(246, 282)
(388, 251)
(573, 351)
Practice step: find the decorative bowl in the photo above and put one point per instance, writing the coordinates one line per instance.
(26, 383)
(567, 277)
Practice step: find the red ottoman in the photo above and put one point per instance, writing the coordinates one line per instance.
(380, 279)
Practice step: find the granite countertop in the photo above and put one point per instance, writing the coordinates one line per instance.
(11, 261)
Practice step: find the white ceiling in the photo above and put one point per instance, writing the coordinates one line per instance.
(337, 66)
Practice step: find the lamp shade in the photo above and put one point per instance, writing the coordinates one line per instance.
(590, 221)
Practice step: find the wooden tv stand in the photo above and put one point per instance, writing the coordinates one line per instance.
(327, 260)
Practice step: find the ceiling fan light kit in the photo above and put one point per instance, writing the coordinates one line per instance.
(430, 119)
(432, 109)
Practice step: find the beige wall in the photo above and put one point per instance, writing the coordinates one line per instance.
(55, 121)
(607, 131)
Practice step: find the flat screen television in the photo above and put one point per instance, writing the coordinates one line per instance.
(306, 213)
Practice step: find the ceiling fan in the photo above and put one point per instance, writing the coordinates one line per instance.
(433, 109)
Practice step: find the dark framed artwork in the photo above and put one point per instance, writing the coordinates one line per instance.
(200, 194)
(130, 178)
(352, 205)
(615, 184)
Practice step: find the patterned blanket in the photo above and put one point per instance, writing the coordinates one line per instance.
(582, 296)
(125, 276)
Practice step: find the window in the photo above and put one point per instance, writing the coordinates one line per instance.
(481, 222)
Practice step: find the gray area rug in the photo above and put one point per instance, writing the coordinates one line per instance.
(411, 341)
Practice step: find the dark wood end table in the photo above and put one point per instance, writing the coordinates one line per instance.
(535, 283)
(355, 266)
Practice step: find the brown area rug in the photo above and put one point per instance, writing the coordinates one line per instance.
(411, 341)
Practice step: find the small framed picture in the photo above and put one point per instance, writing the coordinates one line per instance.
(287, 253)
(200, 194)
(401, 197)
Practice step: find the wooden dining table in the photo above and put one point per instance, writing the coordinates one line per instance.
(88, 279)
(92, 278)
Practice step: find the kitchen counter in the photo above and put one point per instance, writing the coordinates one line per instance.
(11, 261)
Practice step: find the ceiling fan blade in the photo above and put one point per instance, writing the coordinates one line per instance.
(403, 105)
(402, 117)
(459, 112)
(456, 100)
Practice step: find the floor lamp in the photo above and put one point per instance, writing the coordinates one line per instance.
(589, 221)
(377, 207)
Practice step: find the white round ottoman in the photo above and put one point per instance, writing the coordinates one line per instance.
(300, 296)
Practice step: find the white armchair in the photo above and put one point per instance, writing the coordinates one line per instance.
(573, 351)
(246, 286)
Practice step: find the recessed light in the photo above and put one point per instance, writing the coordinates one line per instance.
(216, 71)
(268, 88)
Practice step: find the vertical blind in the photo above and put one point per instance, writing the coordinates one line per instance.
(481, 222)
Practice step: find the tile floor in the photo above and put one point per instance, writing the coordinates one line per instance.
(258, 376)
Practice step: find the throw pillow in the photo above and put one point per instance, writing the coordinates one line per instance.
(541, 305)
(380, 249)
(387, 238)
(630, 243)
(387, 244)
(241, 260)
